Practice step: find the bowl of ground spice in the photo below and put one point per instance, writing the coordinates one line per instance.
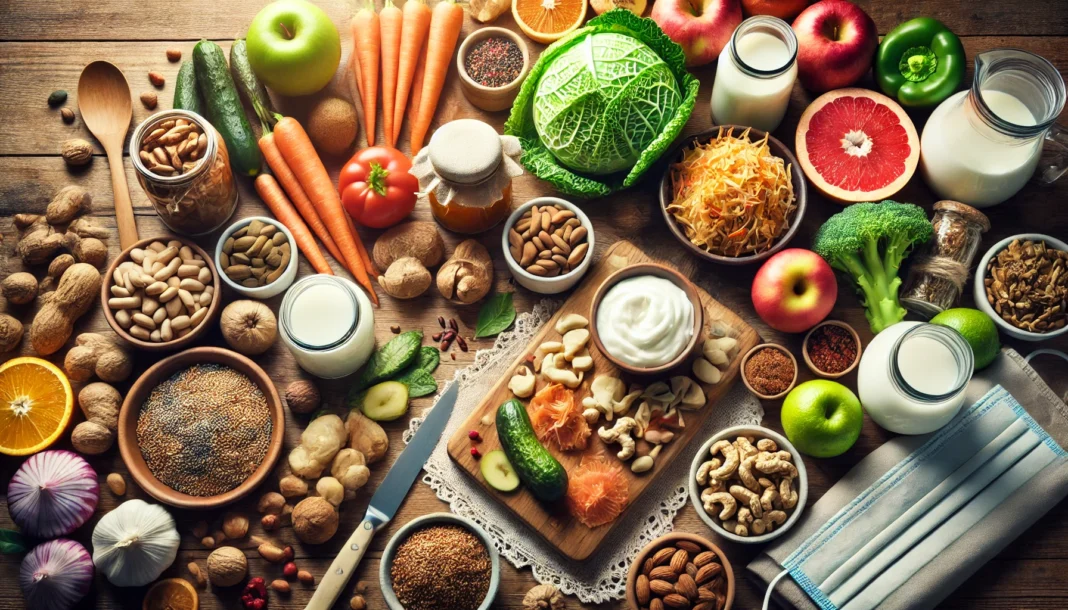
(769, 371)
(440, 562)
(831, 349)
(492, 63)
(201, 428)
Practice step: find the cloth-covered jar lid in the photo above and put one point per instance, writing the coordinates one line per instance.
(467, 163)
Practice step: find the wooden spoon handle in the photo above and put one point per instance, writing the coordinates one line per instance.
(124, 215)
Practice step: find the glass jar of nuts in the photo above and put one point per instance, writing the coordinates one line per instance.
(184, 168)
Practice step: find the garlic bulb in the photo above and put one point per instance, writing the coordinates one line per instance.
(52, 494)
(135, 543)
(55, 575)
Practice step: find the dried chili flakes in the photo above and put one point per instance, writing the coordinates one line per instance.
(831, 349)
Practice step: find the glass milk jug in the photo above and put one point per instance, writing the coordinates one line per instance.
(755, 74)
(981, 146)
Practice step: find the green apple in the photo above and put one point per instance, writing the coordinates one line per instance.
(293, 47)
(822, 418)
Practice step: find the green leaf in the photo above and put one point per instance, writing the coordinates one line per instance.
(428, 360)
(390, 359)
(12, 542)
(495, 316)
(420, 383)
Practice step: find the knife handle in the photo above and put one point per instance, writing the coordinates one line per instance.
(346, 561)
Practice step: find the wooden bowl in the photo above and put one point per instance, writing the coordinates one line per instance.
(757, 348)
(815, 369)
(180, 342)
(779, 150)
(492, 99)
(161, 371)
(670, 540)
(661, 271)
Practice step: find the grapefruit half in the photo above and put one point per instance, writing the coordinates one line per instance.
(857, 145)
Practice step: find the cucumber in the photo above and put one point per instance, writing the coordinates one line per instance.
(186, 94)
(536, 467)
(498, 471)
(249, 86)
(224, 107)
(386, 401)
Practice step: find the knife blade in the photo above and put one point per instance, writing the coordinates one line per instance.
(386, 500)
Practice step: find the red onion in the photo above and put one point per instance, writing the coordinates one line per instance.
(55, 575)
(52, 494)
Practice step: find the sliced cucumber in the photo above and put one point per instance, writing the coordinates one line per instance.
(498, 471)
(385, 401)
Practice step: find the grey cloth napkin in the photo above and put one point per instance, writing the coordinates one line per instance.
(982, 542)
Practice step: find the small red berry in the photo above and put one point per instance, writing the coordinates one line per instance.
(473, 435)
(289, 570)
(475, 453)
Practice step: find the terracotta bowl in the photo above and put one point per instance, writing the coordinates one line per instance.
(757, 348)
(481, 96)
(779, 150)
(180, 342)
(670, 540)
(816, 370)
(161, 371)
(659, 271)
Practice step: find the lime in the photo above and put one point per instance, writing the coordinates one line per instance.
(977, 329)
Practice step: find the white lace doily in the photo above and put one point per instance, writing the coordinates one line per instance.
(603, 576)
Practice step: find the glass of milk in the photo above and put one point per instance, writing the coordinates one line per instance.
(755, 74)
(328, 325)
(982, 145)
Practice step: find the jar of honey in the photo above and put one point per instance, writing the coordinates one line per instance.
(467, 171)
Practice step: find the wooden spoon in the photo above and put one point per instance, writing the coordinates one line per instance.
(105, 103)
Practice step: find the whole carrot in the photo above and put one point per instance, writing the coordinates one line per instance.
(286, 214)
(390, 20)
(367, 42)
(445, 23)
(413, 44)
(300, 155)
(417, 88)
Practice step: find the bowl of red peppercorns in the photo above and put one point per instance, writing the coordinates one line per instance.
(492, 63)
(831, 349)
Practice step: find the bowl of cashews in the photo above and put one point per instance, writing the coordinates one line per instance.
(748, 484)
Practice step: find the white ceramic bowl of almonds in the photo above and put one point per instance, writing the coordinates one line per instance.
(982, 272)
(286, 272)
(551, 284)
(799, 485)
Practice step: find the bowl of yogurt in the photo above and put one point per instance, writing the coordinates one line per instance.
(647, 318)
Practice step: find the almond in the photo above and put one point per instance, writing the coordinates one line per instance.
(705, 606)
(663, 573)
(271, 553)
(648, 566)
(641, 589)
(280, 586)
(707, 572)
(679, 560)
(676, 601)
(691, 569)
(686, 587)
(662, 587)
(663, 556)
(690, 547)
(156, 79)
(174, 55)
(656, 604)
(705, 558)
(721, 601)
(706, 594)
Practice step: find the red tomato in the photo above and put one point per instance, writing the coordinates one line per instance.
(376, 188)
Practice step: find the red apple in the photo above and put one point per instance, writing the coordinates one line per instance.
(783, 9)
(701, 27)
(794, 290)
(836, 42)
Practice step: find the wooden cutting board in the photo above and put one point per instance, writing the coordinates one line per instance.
(554, 523)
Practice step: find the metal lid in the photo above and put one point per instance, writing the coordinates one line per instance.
(466, 151)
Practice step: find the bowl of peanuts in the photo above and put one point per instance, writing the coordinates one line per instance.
(257, 257)
(161, 293)
(551, 256)
(680, 570)
(748, 484)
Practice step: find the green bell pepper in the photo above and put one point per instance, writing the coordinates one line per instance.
(920, 62)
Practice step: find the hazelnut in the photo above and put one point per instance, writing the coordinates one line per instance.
(314, 520)
(235, 525)
(357, 603)
(174, 55)
(76, 152)
(303, 396)
(271, 503)
(293, 486)
(270, 522)
(68, 115)
(149, 99)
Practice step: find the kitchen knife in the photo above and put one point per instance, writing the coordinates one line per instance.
(387, 499)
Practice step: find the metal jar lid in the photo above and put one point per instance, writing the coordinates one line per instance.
(465, 151)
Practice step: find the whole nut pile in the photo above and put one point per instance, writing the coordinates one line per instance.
(752, 481)
(548, 241)
(255, 255)
(685, 576)
(1027, 285)
(162, 293)
(173, 148)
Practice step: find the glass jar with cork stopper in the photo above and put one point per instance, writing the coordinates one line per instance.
(466, 171)
(940, 269)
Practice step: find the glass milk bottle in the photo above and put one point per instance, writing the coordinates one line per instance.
(981, 146)
(328, 325)
(755, 74)
(912, 376)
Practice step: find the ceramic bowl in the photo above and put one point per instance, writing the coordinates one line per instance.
(481, 96)
(276, 287)
(661, 271)
(808, 361)
(179, 342)
(754, 350)
(980, 287)
(386, 565)
(672, 539)
(777, 149)
(759, 432)
(537, 283)
(163, 370)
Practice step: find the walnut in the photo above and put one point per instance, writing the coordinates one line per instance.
(303, 396)
(314, 520)
(76, 152)
(227, 566)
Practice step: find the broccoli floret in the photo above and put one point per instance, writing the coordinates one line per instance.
(868, 241)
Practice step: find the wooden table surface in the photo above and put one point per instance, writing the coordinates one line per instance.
(43, 47)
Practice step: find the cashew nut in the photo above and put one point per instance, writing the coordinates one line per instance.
(582, 361)
(745, 515)
(716, 356)
(724, 344)
(745, 473)
(767, 444)
(549, 347)
(787, 495)
(687, 392)
(574, 342)
(776, 466)
(741, 530)
(730, 459)
(642, 464)
(706, 371)
(569, 322)
(745, 447)
(550, 369)
(705, 468)
(775, 517)
(711, 498)
(746, 496)
(768, 497)
(620, 433)
(522, 383)
(759, 526)
(604, 392)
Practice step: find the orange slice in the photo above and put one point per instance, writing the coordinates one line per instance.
(547, 20)
(36, 403)
(171, 594)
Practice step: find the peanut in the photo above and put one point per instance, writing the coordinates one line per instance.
(548, 241)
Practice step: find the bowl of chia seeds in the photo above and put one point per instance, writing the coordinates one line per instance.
(202, 428)
(440, 562)
(492, 63)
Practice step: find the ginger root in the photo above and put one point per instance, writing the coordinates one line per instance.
(319, 443)
(620, 433)
(468, 274)
(95, 354)
(406, 278)
(366, 436)
(101, 403)
(544, 597)
(350, 468)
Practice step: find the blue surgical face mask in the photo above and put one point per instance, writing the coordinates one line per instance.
(903, 521)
